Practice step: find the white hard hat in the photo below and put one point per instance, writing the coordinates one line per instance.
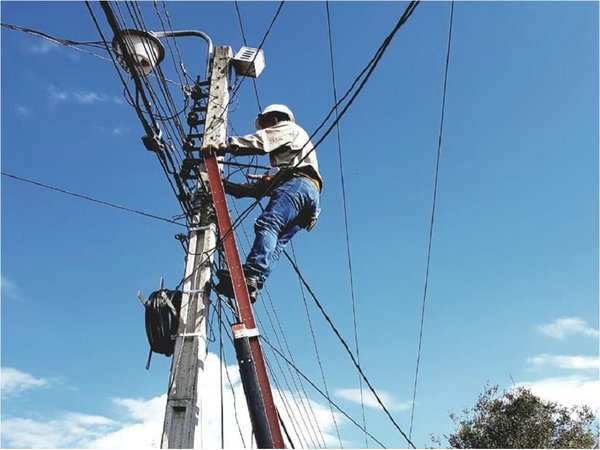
(275, 108)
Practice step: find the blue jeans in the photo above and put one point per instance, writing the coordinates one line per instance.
(293, 206)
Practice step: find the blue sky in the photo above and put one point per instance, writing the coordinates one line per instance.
(513, 285)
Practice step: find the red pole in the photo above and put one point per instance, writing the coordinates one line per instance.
(247, 327)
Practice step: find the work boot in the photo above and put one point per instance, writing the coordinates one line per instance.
(225, 287)
(252, 284)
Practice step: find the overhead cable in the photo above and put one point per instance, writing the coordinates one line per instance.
(91, 199)
(348, 351)
(345, 209)
(319, 391)
(368, 70)
(239, 16)
(431, 223)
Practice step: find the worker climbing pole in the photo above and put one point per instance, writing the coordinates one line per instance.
(182, 397)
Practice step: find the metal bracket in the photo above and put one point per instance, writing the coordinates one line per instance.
(210, 226)
(240, 331)
(184, 335)
(153, 143)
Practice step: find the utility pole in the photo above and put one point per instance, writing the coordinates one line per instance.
(184, 405)
(140, 51)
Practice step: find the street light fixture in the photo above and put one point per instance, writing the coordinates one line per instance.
(146, 49)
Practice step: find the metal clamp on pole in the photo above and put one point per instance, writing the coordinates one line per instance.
(210, 226)
(240, 331)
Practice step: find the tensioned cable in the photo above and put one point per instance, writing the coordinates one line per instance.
(221, 357)
(310, 426)
(317, 353)
(345, 209)
(319, 391)
(284, 400)
(369, 71)
(74, 45)
(185, 74)
(240, 21)
(153, 130)
(262, 42)
(95, 200)
(171, 52)
(347, 348)
(431, 223)
(136, 15)
(48, 37)
(239, 16)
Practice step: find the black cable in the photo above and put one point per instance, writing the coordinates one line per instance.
(85, 197)
(347, 348)
(319, 391)
(154, 130)
(431, 223)
(284, 400)
(171, 52)
(345, 209)
(65, 42)
(317, 354)
(221, 357)
(287, 434)
(239, 16)
(262, 42)
(266, 292)
(369, 71)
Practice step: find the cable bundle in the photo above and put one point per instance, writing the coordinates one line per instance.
(162, 320)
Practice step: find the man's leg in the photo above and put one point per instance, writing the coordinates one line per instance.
(279, 216)
(285, 237)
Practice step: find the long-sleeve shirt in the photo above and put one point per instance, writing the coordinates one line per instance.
(287, 145)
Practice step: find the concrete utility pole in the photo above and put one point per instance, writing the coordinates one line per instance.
(140, 51)
(184, 404)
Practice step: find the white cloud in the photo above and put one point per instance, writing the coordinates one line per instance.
(370, 400)
(567, 326)
(9, 289)
(81, 97)
(43, 47)
(66, 431)
(138, 422)
(14, 381)
(568, 391)
(24, 111)
(577, 362)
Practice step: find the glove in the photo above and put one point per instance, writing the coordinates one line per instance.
(241, 190)
(221, 150)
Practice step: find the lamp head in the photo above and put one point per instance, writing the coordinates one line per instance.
(144, 48)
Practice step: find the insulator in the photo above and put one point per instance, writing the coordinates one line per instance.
(192, 119)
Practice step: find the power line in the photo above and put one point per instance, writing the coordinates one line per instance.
(59, 41)
(435, 186)
(347, 348)
(239, 16)
(345, 209)
(152, 130)
(316, 388)
(69, 42)
(95, 200)
(317, 353)
(368, 70)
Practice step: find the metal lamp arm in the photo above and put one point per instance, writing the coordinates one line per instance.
(187, 33)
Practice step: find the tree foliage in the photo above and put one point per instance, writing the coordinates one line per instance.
(519, 419)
